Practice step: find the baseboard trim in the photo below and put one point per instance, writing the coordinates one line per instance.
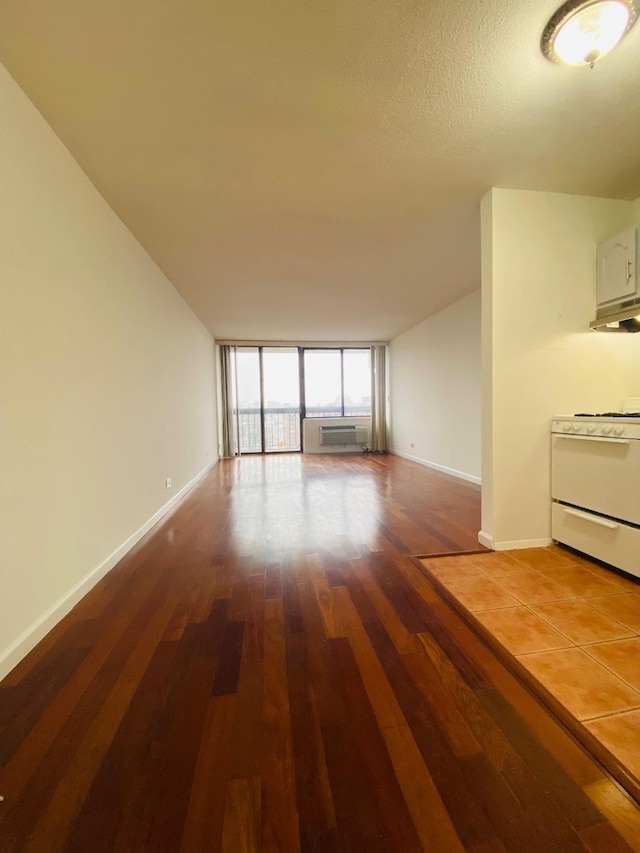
(452, 471)
(486, 540)
(29, 638)
(511, 544)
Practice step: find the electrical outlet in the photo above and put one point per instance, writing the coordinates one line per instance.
(167, 483)
(412, 444)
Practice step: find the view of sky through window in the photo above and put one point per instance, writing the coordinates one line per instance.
(323, 380)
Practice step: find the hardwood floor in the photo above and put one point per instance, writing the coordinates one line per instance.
(268, 670)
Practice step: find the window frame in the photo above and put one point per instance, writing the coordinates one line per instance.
(303, 384)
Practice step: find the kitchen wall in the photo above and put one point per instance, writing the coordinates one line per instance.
(107, 382)
(435, 388)
(539, 356)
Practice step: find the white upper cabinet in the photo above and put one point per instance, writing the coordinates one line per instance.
(616, 272)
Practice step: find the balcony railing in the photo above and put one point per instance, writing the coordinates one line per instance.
(281, 429)
(282, 425)
(351, 410)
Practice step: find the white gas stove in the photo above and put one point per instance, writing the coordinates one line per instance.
(595, 478)
(611, 424)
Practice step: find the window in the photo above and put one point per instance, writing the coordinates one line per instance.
(322, 383)
(357, 382)
(337, 383)
(271, 389)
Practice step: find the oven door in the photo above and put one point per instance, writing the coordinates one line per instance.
(612, 541)
(600, 474)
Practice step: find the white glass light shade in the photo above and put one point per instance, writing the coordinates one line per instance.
(580, 33)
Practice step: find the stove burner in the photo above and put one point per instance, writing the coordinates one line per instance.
(607, 415)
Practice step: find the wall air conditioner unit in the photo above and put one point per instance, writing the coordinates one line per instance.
(343, 435)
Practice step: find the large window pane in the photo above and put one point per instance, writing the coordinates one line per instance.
(249, 425)
(357, 382)
(322, 383)
(280, 368)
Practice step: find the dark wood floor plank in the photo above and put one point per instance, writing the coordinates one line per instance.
(373, 605)
(273, 579)
(334, 567)
(479, 730)
(322, 590)
(397, 592)
(293, 622)
(617, 807)
(48, 679)
(516, 821)
(228, 671)
(604, 837)
(120, 780)
(452, 717)
(381, 697)
(43, 757)
(176, 739)
(23, 705)
(205, 814)
(399, 832)
(172, 740)
(280, 821)
(268, 669)
(430, 817)
(315, 808)
(241, 829)
(312, 679)
(424, 618)
(352, 801)
(54, 824)
(240, 599)
(455, 788)
(577, 807)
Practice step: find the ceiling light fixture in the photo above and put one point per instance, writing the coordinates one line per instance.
(583, 31)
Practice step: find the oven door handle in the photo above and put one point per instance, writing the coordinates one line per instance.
(603, 522)
(593, 438)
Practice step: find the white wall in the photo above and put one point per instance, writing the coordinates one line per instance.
(435, 387)
(106, 382)
(540, 358)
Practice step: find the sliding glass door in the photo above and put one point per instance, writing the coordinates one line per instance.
(249, 397)
(273, 388)
(281, 398)
(268, 399)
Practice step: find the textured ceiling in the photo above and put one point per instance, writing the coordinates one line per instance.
(313, 170)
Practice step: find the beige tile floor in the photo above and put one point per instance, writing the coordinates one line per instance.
(573, 624)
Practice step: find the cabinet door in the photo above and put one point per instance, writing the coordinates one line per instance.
(616, 276)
